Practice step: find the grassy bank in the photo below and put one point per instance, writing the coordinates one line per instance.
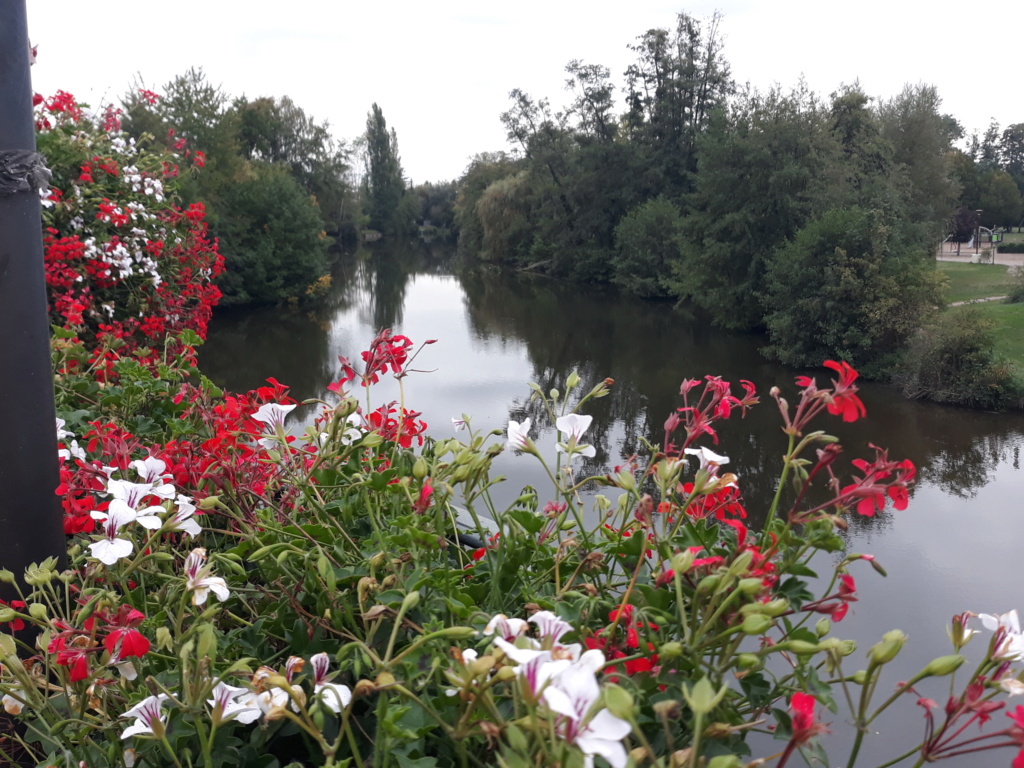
(969, 282)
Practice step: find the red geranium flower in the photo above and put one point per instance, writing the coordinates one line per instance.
(845, 402)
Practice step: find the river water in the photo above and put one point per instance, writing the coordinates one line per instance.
(954, 549)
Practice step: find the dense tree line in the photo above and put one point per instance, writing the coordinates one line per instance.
(279, 188)
(811, 219)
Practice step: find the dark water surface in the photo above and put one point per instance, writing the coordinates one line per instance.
(956, 547)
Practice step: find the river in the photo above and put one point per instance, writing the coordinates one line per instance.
(952, 550)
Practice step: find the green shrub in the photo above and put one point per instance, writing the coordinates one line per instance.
(1010, 248)
(954, 361)
(647, 240)
(848, 286)
(272, 238)
(1016, 293)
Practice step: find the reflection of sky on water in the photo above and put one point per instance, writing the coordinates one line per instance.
(954, 549)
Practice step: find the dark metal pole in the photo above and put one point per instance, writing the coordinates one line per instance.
(31, 523)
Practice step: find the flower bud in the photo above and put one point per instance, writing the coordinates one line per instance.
(669, 709)
(164, 639)
(371, 440)
(823, 627)
(748, 661)
(419, 469)
(671, 650)
(208, 503)
(363, 688)
(481, 666)
(756, 624)
(553, 394)
(702, 698)
(573, 381)
(886, 649)
(750, 586)
(6, 576)
(802, 647)
(411, 600)
(7, 614)
(942, 666)
(709, 583)
(625, 480)
(839, 647)
(37, 611)
(618, 701)
(682, 562)
(860, 676)
(384, 679)
(37, 576)
(776, 607)
(742, 562)
(504, 674)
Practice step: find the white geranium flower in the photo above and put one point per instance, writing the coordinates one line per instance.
(709, 460)
(110, 549)
(151, 469)
(573, 694)
(573, 426)
(61, 432)
(1008, 621)
(519, 435)
(273, 414)
(506, 628)
(182, 520)
(230, 702)
(550, 626)
(200, 582)
(334, 696)
(72, 451)
(148, 716)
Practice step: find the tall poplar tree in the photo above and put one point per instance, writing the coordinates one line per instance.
(384, 185)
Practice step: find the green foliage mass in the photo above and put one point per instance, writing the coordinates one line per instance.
(691, 189)
(648, 240)
(389, 209)
(270, 236)
(253, 149)
(847, 286)
(954, 361)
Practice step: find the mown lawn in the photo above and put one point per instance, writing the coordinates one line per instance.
(975, 281)
(1009, 328)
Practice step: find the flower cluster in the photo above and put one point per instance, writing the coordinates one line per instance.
(125, 267)
(563, 679)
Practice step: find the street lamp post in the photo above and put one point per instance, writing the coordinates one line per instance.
(30, 514)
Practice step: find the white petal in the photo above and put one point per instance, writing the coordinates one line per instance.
(151, 522)
(109, 551)
(574, 425)
(335, 697)
(608, 726)
(138, 727)
(612, 751)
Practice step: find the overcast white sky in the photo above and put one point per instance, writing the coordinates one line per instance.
(441, 71)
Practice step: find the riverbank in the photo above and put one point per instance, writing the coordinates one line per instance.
(984, 285)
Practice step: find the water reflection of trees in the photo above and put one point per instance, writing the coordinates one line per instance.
(649, 348)
(246, 345)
